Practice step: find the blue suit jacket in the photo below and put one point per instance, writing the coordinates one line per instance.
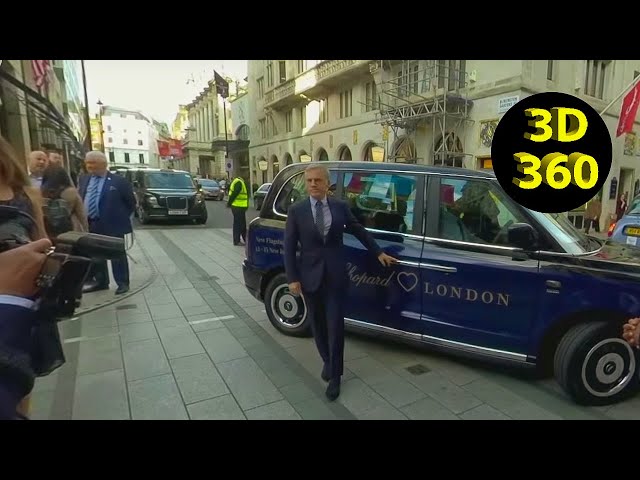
(318, 258)
(17, 380)
(117, 203)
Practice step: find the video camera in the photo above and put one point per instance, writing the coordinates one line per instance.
(68, 262)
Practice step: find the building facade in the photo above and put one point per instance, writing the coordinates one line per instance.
(127, 137)
(180, 123)
(37, 99)
(433, 112)
(205, 139)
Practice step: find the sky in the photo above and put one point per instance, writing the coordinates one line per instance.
(154, 87)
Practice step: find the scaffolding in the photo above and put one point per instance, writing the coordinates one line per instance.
(411, 93)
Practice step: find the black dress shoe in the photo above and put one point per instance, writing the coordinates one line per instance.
(333, 389)
(325, 373)
(92, 287)
(122, 289)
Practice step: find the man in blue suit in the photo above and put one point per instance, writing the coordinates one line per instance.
(320, 274)
(19, 269)
(110, 202)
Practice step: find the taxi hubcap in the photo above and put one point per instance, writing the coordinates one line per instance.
(608, 367)
(288, 309)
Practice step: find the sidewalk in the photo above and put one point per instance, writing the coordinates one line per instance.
(196, 345)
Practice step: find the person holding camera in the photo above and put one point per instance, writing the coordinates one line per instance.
(19, 269)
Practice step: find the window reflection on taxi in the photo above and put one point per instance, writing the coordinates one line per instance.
(381, 202)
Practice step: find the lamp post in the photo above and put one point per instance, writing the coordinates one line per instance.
(100, 104)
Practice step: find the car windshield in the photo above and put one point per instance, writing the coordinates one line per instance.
(169, 180)
(208, 183)
(560, 227)
(634, 208)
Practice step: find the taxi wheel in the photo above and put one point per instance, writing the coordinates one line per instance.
(286, 312)
(595, 366)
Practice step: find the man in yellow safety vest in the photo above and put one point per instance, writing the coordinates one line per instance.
(239, 203)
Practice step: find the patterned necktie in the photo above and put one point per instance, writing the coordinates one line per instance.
(320, 218)
(92, 194)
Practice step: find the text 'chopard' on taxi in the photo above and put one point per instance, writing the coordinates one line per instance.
(478, 274)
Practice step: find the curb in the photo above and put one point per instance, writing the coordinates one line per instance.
(152, 278)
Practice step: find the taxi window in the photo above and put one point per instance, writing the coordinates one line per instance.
(476, 211)
(382, 201)
(295, 190)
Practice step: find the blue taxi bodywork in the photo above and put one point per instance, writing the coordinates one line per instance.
(477, 275)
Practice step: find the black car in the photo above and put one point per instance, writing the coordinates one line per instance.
(167, 194)
(259, 194)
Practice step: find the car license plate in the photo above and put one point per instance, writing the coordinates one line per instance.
(178, 212)
(633, 231)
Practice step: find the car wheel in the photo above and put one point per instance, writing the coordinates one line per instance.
(286, 312)
(142, 216)
(594, 365)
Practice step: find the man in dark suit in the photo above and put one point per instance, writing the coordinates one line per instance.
(318, 224)
(110, 202)
(19, 269)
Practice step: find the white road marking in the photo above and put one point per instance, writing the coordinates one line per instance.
(215, 319)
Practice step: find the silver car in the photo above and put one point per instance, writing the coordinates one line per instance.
(211, 189)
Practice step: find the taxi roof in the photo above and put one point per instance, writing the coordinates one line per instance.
(387, 166)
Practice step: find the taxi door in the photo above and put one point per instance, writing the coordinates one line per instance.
(390, 205)
(476, 291)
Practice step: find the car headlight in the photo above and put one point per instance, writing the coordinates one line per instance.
(151, 200)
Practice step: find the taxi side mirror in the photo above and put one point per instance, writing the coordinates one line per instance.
(524, 236)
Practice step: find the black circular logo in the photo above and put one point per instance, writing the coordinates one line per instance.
(551, 152)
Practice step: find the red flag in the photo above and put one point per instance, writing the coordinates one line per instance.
(163, 148)
(629, 110)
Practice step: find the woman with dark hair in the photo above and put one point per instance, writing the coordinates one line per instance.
(16, 191)
(63, 208)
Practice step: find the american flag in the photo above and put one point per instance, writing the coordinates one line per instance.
(41, 70)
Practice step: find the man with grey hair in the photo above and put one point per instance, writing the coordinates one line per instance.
(38, 162)
(110, 202)
(320, 274)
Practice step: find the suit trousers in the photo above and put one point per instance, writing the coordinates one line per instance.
(120, 267)
(325, 308)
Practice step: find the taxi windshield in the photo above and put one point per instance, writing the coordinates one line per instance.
(169, 180)
(560, 227)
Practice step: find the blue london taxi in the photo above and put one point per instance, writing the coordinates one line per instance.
(478, 274)
(627, 229)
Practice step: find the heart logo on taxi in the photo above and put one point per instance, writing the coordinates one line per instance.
(408, 281)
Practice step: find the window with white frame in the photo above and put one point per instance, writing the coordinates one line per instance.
(303, 117)
(288, 120)
(595, 78)
(346, 104)
(260, 87)
(323, 110)
(370, 97)
(269, 71)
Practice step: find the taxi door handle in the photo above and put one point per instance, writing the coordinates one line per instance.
(553, 284)
(428, 266)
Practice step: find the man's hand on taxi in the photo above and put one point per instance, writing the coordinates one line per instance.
(631, 332)
(295, 288)
(20, 267)
(386, 260)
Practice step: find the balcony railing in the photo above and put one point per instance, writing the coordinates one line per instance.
(309, 79)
